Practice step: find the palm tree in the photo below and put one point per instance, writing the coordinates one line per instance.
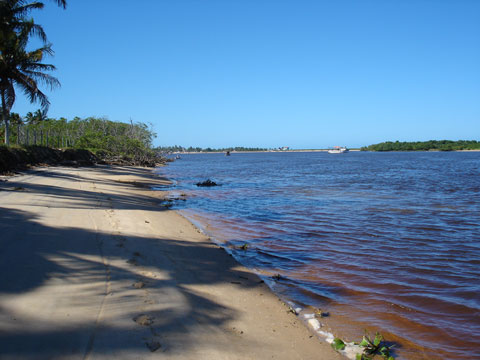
(13, 18)
(17, 65)
(37, 117)
(15, 119)
(13, 21)
(24, 69)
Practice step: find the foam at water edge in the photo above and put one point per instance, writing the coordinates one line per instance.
(351, 350)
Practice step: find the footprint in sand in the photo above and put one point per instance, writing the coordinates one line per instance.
(121, 241)
(132, 261)
(148, 274)
(138, 285)
(143, 320)
(153, 345)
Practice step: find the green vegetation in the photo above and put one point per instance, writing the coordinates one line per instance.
(374, 347)
(438, 145)
(338, 344)
(20, 67)
(177, 148)
(371, 347)
(109, 140)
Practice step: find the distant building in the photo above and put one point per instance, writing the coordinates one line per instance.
(284, 148)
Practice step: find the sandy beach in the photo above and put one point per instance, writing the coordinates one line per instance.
(94, 267)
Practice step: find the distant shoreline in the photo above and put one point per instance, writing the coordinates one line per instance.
(316, 150)
(430, 145)
(257, 152)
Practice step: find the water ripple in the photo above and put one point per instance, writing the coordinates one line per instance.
(385, 241)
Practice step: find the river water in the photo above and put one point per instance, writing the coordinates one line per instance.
(386, 242)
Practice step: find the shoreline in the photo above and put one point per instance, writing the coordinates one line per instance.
(310, 317)
(95, 264)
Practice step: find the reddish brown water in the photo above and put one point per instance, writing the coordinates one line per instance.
(387, 242)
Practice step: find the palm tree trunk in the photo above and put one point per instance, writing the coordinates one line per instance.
(5, 119)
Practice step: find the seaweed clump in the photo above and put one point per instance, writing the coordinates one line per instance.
(207, 183)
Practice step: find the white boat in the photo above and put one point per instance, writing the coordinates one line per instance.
(338, 150)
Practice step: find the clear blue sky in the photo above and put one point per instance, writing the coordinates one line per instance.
(304, 74)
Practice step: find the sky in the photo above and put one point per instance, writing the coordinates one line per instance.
(269, 73)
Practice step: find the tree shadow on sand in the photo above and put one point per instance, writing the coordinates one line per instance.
(85, 197)
(28, 263)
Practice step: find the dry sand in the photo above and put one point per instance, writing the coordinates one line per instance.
(93, 267)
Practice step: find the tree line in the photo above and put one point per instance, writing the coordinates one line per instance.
(438, 145)
(103, 137)
(178, 148)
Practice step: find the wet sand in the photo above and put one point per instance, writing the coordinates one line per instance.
(93, 266)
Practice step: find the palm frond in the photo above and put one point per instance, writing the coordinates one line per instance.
(15, 10)
(32, 92)
(25, 9)
(62, 3)
(47, 48)
(37, 30)
(38, 66)
(37, 54)
(24, 33)
(46, 79)
(26, 71)
(9, 96)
